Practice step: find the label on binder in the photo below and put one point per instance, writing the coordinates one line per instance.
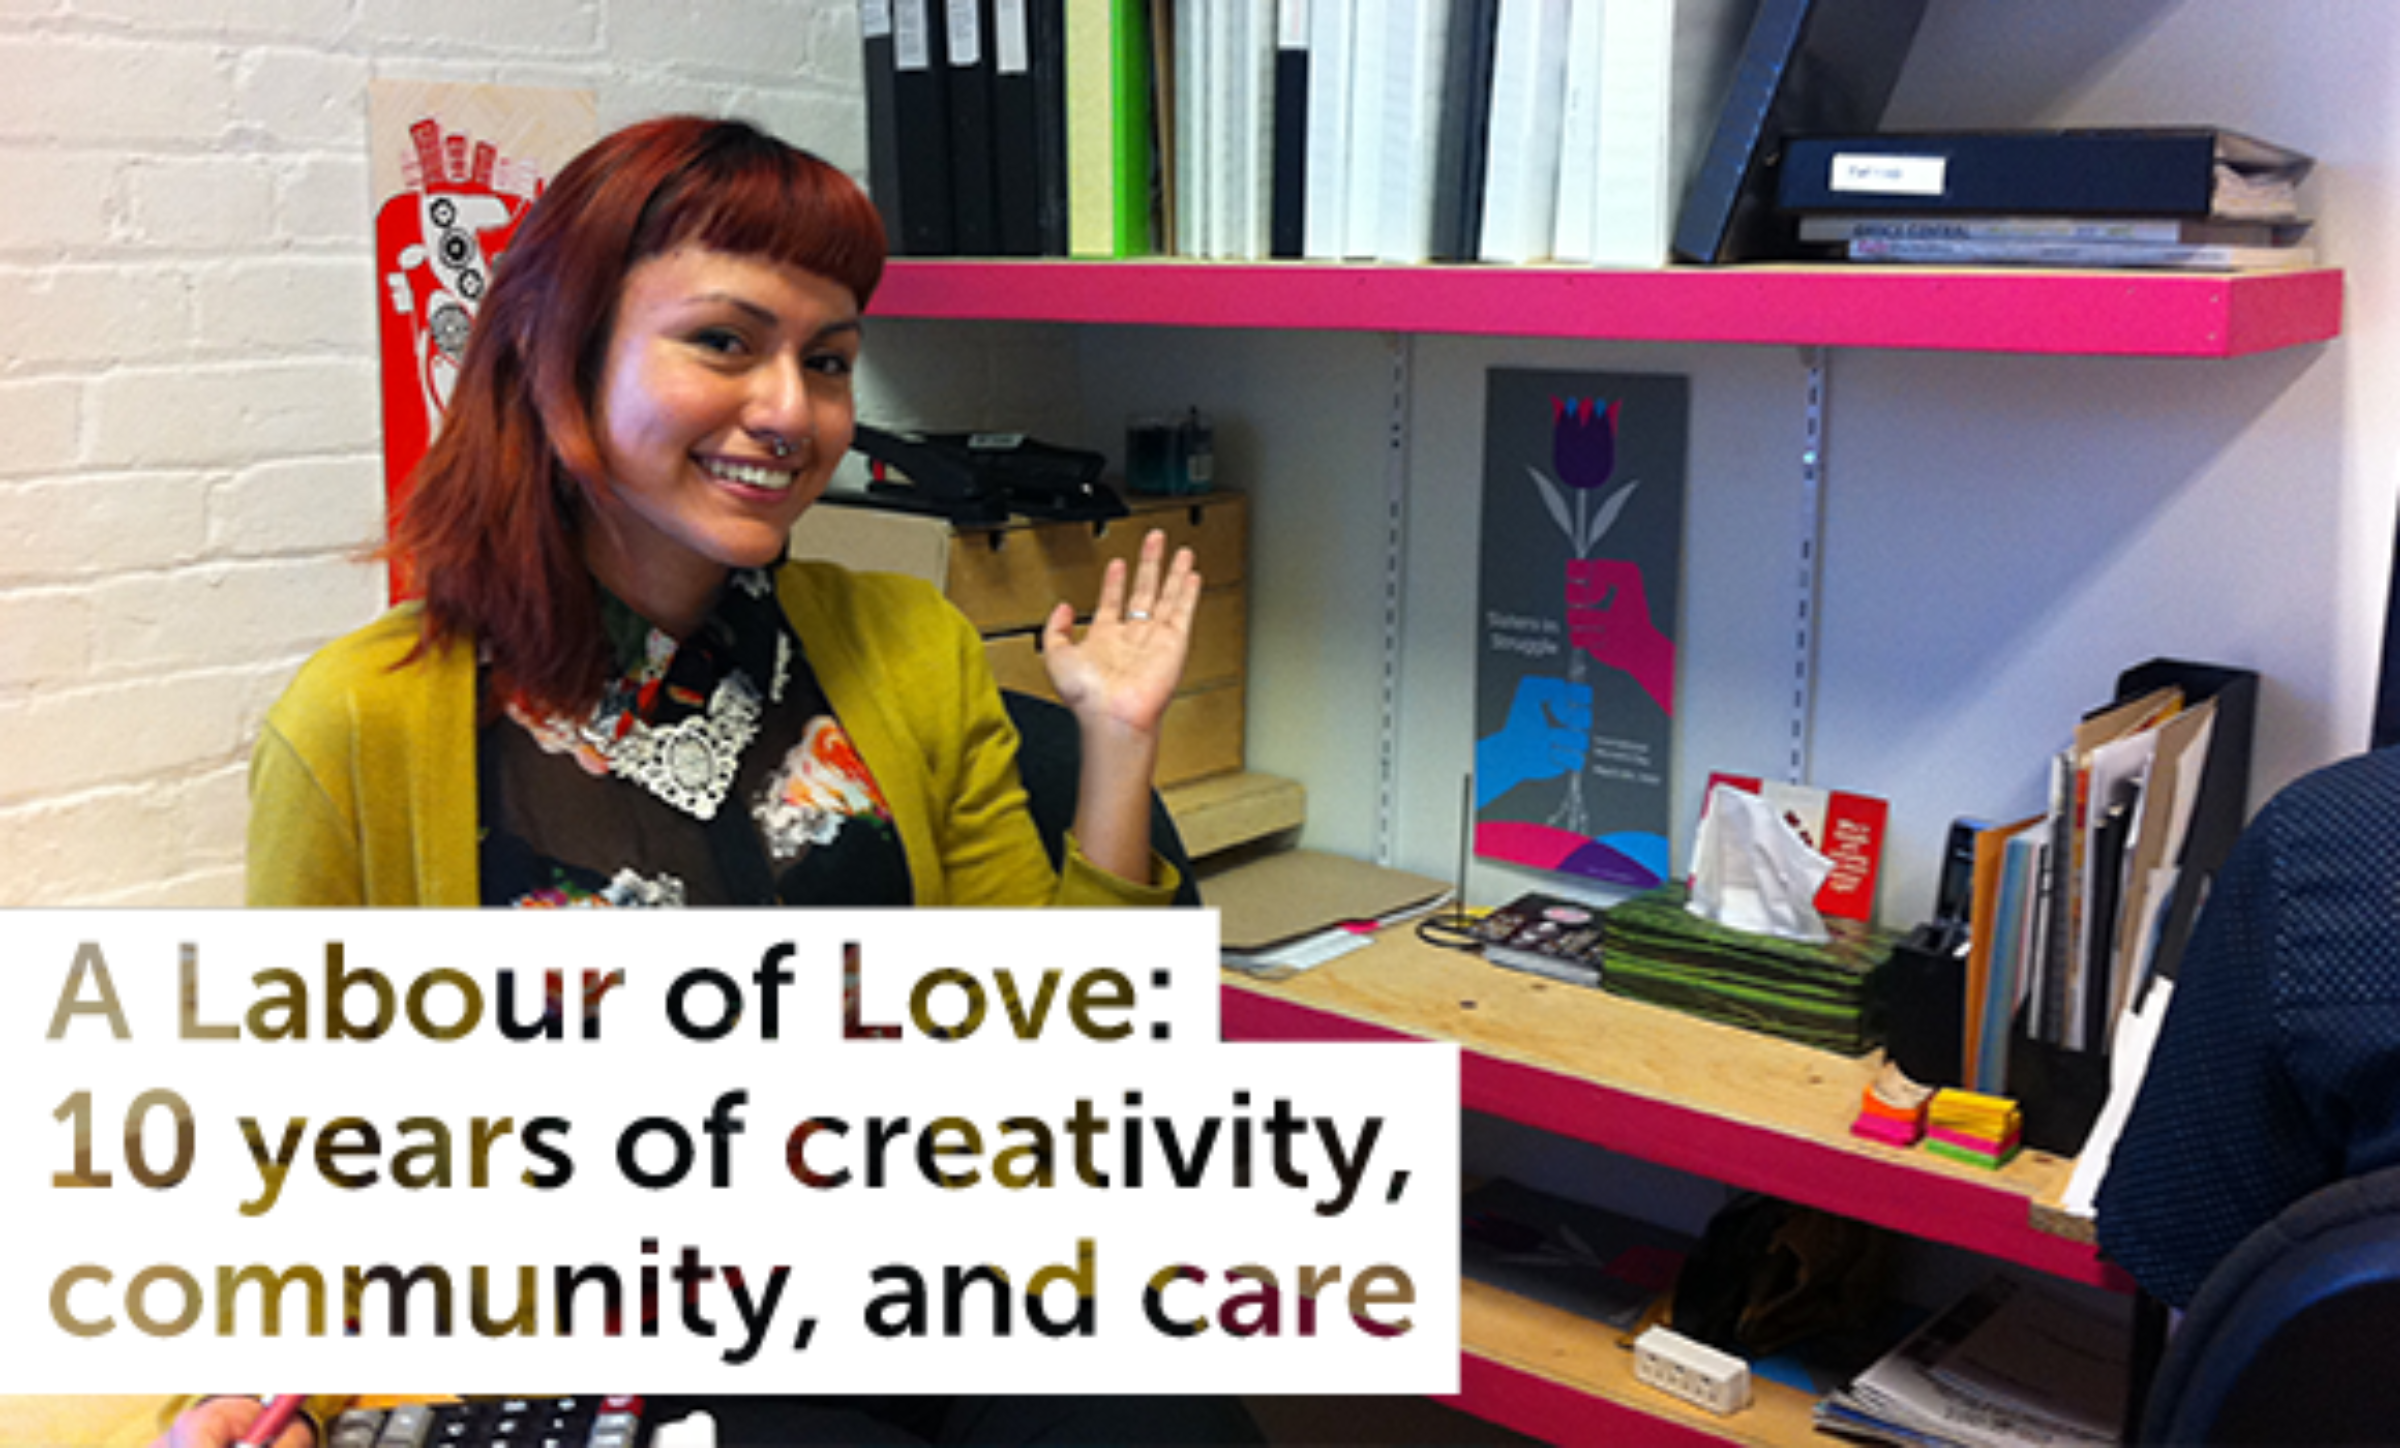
(1889, 175)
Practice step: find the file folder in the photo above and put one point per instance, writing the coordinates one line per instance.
(2193, 171)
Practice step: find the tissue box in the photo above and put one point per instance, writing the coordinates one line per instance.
(1819, 995)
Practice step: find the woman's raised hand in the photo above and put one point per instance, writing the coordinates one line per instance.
(1121, 674)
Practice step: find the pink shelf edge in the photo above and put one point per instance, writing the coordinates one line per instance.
(2099, 313)
(1933, 1205)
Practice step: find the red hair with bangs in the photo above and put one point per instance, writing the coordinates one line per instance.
(490, 527)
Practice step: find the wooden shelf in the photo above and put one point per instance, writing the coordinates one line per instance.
(1228, 811)
(2083, 313)
(1564, 1379)
(1741, 1108)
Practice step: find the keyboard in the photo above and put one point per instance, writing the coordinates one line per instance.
(588, 1422)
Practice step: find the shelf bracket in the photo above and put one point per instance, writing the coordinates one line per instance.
(1807, 570)
(1402, 349)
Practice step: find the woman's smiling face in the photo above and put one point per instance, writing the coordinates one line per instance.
(722, 408)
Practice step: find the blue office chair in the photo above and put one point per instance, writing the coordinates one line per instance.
(1050, 762)
(2295, 1337)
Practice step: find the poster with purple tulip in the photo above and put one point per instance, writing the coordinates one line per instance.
(1581, 561)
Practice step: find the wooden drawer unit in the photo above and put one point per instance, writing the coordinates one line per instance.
(1007, 579)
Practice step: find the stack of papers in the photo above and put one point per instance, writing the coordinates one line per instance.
(2007, 1366)
(1970, 1127)
(1297, 909)
(1892, 1108)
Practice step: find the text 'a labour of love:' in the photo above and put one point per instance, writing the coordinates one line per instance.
(702, 1003)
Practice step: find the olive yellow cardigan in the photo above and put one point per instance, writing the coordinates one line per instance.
(362, 785)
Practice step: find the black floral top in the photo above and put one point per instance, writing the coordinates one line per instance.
(713, 772)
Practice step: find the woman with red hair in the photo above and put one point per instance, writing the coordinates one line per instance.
(616, 689)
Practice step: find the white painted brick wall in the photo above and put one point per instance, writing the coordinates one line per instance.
(189, 415)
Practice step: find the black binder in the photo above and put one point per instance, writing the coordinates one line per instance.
(883, 120)
(967, 74)
(1465, 130)
(1287, 210)
(1807, 65)
(2192, 171)
(1047, 21)
(921, 114)
(1016, 132)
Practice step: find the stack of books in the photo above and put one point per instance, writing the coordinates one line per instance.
(2186, 198)
(1820, 995)
(1974, 1128)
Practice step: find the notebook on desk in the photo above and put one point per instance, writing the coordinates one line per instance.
(1297, 908)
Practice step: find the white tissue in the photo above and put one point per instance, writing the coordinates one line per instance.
(1752, 871)
(696, 1430)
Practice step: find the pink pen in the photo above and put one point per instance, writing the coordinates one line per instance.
(269, 1425)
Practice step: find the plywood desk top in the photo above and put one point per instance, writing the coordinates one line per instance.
(1735, 1105)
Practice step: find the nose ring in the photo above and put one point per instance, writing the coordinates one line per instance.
(778, 446)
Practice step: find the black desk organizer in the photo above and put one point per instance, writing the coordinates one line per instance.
(2061, 1090)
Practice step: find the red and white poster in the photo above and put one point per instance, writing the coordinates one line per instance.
(1846, 828)
(453, 169)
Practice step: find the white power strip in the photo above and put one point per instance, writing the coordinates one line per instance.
(1692, 1371)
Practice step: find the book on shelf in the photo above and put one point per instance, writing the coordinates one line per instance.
(2063, 252)
(1326, 189)
(1520, 166)
(1228, 126)
(1288, 170)
(1245, 175)
(2154, 230)
(1459, 147)
(1806, 65)
(1046, 29)
(2193, 171)
(1182, 83)
(1665, 66)
(2020, 907)
(1546, 935)
(1579, 139)
(1017, 100)
(883, 135)
(1362, 174)
(1993, 917)
(920, 129)
(967, 82)
(1415, 40)
(1109, 142)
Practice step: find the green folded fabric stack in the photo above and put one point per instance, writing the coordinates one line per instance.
(1819, 995)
